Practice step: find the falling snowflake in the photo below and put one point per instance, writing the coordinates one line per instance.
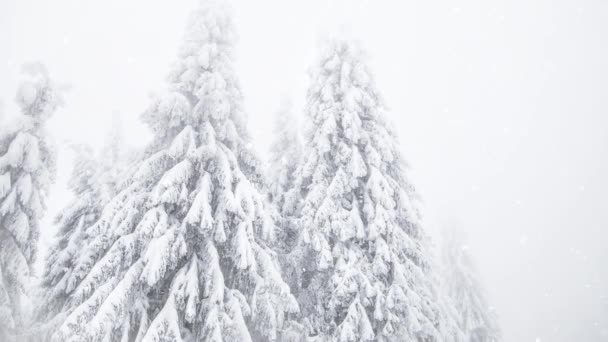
(523, 240)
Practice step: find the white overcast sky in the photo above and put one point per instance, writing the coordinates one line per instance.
(501, 108)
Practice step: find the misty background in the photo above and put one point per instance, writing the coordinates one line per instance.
(501, 109)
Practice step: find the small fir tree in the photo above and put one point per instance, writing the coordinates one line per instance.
(285, 154)
(475, 317)
(93, 182)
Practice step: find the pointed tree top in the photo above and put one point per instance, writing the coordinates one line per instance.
(37, 96)
(208, 40)
(213, 22)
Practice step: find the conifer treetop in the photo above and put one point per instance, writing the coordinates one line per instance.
(476, 318)
(285, 153)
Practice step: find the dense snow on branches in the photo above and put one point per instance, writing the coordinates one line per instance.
(192, 238)
(27, 168)
(361, 261)
(182, 252)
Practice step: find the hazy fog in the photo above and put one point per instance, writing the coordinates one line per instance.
(501, 108)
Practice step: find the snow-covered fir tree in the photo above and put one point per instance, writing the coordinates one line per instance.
(361, 263)
(181, 253)
(476, 318)
(116, 157)
(27, 169)
(285, 153)
(93, 182)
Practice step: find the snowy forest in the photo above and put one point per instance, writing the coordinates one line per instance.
(198, 233)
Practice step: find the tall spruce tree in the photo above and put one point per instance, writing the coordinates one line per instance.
(181, 253)
(27, 168)
(361, 263)
(93, 182)
(475, 317)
